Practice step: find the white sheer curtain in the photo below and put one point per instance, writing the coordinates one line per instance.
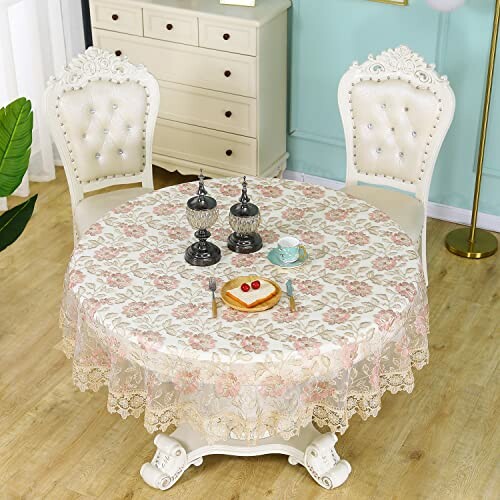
(37, 37)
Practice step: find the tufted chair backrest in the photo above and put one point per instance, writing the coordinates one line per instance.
(396, 111)
(102, 111)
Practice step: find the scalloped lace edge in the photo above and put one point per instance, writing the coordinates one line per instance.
(232, 426)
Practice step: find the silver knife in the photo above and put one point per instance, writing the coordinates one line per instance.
(291, 298)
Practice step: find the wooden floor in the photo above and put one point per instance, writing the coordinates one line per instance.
(440, 442)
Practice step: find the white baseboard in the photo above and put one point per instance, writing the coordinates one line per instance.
(435, 210)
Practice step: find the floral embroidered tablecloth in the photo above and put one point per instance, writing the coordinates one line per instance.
(137, 318)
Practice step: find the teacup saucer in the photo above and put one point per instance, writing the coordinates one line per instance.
(274, 257)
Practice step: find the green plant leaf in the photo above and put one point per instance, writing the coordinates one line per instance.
(13, 222)
(16, 130)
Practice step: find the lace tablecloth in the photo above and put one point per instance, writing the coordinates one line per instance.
(137, 318)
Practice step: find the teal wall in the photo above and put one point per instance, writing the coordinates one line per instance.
(327, 35)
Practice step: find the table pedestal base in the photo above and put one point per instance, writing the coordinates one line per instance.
(185, 447)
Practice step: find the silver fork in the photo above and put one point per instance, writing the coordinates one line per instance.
(212, 286)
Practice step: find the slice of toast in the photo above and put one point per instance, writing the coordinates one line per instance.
(253, 297)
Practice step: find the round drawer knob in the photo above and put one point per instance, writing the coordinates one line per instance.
(114, 17)
(118, 53)
(229, 152)
(169, 26)
(226, 36)
(228, 114)
(227, 73)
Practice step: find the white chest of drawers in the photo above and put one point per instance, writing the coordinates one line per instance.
(222, 75)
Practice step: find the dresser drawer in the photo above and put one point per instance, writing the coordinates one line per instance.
(195, 66)
(206, 108)
(223, 35)
(204, 146)
(170, 26)
(116, 17)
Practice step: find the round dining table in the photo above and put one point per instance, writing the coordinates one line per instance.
(136, 317)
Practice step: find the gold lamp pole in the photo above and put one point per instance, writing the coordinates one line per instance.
(474, 243)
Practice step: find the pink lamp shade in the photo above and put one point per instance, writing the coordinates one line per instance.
(445, 5)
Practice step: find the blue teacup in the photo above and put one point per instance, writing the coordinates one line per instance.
(289, 249)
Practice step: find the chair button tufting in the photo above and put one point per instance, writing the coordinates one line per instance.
(120, 152)
(414, 134)
(383, 106)
(92, 111)
(115, 106)
(401, 154)
(379, 150)
(97, 156)
(407, 109)
(370, 126)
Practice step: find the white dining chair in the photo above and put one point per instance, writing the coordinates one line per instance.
(102, 111)
(396, 111)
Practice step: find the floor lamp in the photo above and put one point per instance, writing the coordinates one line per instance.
(471, 242)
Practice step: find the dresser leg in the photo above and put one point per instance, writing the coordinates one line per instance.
(185, 447)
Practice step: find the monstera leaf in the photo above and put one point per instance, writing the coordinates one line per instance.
(16, 126)
(13, 222)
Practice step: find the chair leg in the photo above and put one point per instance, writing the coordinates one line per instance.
(423, 252)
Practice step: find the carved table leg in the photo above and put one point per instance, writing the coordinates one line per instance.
(185, 447)
(324, 464)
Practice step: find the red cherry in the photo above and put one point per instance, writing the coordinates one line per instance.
(245, 287)
(256, 284)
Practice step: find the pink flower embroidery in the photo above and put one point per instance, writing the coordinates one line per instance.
(273, 386)
(178, 233)
(95, 229)
(186, 381)
(230, 190)
(136, 309)
(75, 278)
(406, 289)
(284, 316)
(187, 188)
(337, 214)
(252, 343)
(271, 191)
(165, 209)
(385, 319)
(233, 315)
(385, 263)
(220, 233)
(358, 288)
(184, 311)
(227, 385)
(375, 377)
(378, 216)
(357, 238)
(313, 191)
(165, 282)
(339, 262)
(244, 260)
(336, 315)
(293, 214)
(107, 253)
(124, 209)
(148, 340)
(422, 325)
(133, 230)
(312, 237)
(152, 256)
(118, 280)
(309, 287)
(401, 239)
(269, 236)
(318, 392)
(349, 353)
(201, 342)
(306, 346)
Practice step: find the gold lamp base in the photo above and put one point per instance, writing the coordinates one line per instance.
(485, 244)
